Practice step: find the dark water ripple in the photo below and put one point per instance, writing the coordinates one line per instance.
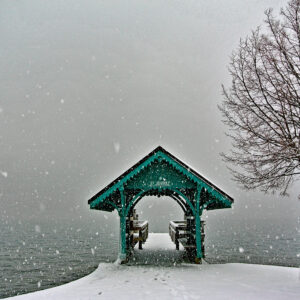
(36, 256)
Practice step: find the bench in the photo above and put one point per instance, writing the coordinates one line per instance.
(138, 230)
(184, 243)
(180, 234)
(177, 231)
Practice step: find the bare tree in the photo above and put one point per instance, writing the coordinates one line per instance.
(262, 105)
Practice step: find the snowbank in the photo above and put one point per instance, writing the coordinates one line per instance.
(177, 281)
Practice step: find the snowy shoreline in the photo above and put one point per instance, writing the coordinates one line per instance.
(179, 281)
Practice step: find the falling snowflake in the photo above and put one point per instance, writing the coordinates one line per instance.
(241, 250)
(37, 228)
(4, 174)
(117, 147)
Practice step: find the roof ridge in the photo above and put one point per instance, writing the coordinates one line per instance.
(159, 148)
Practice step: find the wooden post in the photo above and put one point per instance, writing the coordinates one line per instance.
(198, 227)
(131, 233)
(140, 240)
(176, 238)
(122, 213)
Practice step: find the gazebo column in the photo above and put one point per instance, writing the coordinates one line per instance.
(122, 241)
(129, 227)
(198, 227)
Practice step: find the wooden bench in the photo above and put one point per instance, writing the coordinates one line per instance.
(184, 243)
(140, 233)
(180, 234)
(177, 231)
(138, 230)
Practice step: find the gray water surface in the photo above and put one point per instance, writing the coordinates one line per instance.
(38, 255)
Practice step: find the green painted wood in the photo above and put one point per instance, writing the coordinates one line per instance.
(160, 176)
(198, 224)
(130, 204)
(141, 193)
(122, 214)
(114, 205)
(160, 173)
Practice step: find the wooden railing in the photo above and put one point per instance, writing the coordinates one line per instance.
(139, 233)
(177, 231)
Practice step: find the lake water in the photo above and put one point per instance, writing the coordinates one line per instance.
(38, 255)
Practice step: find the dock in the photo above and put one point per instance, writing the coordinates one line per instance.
(158, 250)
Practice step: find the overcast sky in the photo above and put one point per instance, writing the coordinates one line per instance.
(87, 88)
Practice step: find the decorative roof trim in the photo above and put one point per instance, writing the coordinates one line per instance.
(160, 153)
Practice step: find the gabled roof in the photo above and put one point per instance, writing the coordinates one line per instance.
(161, 153)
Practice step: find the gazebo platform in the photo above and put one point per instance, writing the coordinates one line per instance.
(158, 250)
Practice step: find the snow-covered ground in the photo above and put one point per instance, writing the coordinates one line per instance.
(155, 276)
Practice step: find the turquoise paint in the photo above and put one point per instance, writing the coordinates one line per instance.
(198, 224)
(122, 214)
(133, 200)
(186, 199)
(131, 203)
(115, 187)
(114, 205)
(160, 172)
(198, 181)
(205, 205)
(159, 175)
(160, 156)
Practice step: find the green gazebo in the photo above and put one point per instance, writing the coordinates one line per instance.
(161, 174)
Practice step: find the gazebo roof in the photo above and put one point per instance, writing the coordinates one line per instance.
(160, 154)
